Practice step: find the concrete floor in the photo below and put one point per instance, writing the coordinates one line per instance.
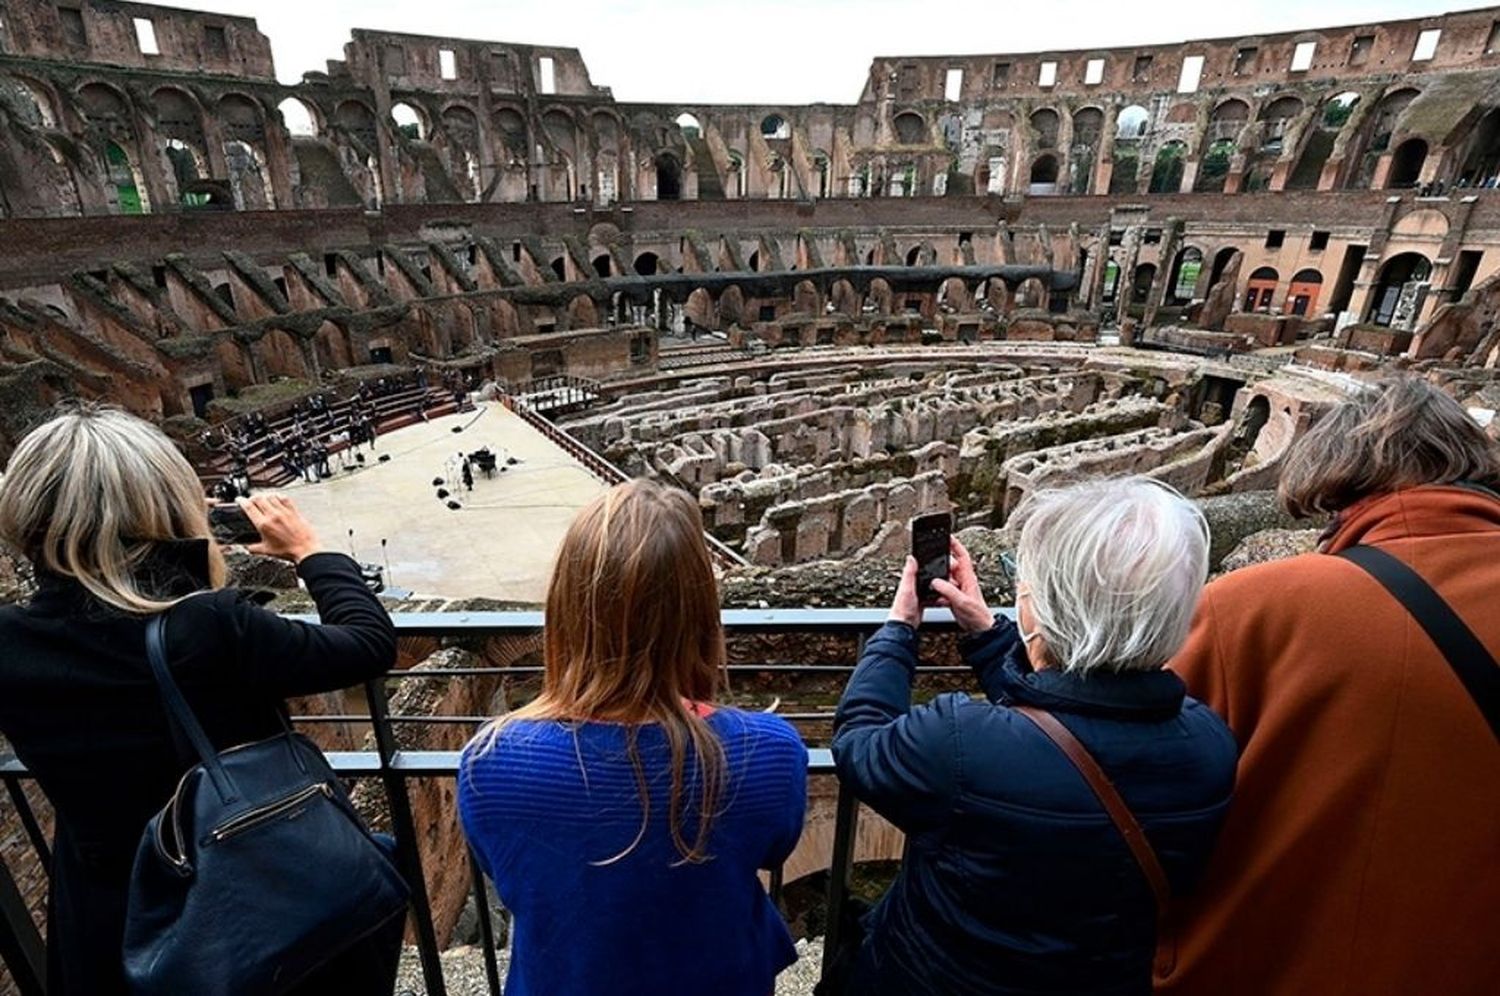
(500, 545)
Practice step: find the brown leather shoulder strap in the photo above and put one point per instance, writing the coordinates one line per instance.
(1124, 820)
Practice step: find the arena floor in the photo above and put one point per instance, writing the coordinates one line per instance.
(499, 545)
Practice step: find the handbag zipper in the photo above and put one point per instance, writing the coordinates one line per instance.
(252, 818)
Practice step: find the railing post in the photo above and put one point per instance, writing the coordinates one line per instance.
(841, 867)
(21, 946)
(29, 822)
(408, 853)
(486, 925)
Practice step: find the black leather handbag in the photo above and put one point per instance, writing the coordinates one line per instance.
(256, 872)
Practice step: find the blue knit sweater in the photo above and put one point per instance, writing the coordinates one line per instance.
(551, 803)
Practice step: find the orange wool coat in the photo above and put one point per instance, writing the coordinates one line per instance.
(1361, 856)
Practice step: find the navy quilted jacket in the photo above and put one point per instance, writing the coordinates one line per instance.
(1015, 880)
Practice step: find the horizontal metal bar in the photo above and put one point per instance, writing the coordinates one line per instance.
(820, 622)
(419, 763)
(788, 669)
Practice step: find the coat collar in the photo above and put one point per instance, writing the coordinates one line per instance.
(171, 569)
(1130, 695)
(1414, 513)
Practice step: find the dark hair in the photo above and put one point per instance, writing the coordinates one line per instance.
(1400, 433)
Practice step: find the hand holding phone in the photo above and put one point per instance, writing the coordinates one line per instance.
(230, 525)
(930, 543)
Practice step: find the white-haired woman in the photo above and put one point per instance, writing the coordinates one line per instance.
(1017, 877)
(113, 519)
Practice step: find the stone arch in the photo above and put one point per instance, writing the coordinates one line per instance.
(1275, 117)
(1260, 290)
(603, 265)
(1400, 286)
(241, 119)
(583, 313)
(911, 128)
(1406, 164)
(562, 131)
(1045, 125)
(1213, 168)
(281, 356)
(511, 125)
(1302, 296)
(647, 264)
(249, 179)
(1481, 159)
(32, 99)
(689, 125)
(1167, 172)
(731, 306)
(699, 308)
(1141, 281)
(668, 177)
(410, 120)
(331, 348)
(775, 126)
(300, 118)
(1032, 293)
(805, 298)
(1132, 123)
(880, 295)
(1182, 283)
(126, 184)
(233, 362)
(1044, 171)
(104, 105)
(845, 299)
(1088, 128)
(1319, 142)
(954, 293)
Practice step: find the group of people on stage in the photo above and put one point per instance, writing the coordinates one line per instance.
(1279, 783)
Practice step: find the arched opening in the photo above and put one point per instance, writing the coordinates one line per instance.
(129, 198)
(1275, 117)
(1132, 123)
(35, 109)
(1124, 177)
(1111, 282)
(282, 356)
(248, 177)
(1406, 164)
(298, 118)
(409, 121)
(1257, 414)
(1481, 167)
(1166, 174)
(1302, 296)
(331, 347)
(1088, 126)
(689, 125)
(1140, 284)
(1044, 175)
(668, 177)
(914, 257)
(560, 268)
(1185, 273)
(1318, 145)
(775, 126)
(646, 264)
(736, 169)
(1261, 289)
(910, 129)
(1213, 170)
(602, 264)
(188, 168)
(1222, 259)
(822, 178)
(1400, 290)
(1045, 124)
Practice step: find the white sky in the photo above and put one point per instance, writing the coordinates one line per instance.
(781, 51)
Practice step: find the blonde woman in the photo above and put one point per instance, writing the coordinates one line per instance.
(112, 518)
(622, 815)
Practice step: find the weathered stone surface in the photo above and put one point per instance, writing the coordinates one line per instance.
(1268, 545)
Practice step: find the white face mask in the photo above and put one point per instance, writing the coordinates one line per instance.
(1026, 637)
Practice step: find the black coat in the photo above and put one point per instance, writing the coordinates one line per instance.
(81, 710)
(1015, 879)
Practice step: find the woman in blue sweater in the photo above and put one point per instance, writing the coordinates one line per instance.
(622, 816)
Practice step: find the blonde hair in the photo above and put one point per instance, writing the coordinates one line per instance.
(89, 493)
(1401, 433)
(633, 635)
(1114, 569)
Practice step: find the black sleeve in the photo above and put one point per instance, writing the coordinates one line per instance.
(283, 657)
(902, 762)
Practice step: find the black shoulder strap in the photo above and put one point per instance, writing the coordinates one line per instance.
(183, 723)
(1473, 664)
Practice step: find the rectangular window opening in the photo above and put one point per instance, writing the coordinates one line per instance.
(547, 70)
(1318, 242)
(1000, 72)
(1047, 75)
(1142, 71)
(1093, 73)
(1151, 237)
(953, 85)
(215, 42)
(1302, 56)
(72, 26)
(1275, 237)
(1427, 43)
(447, 64)
(1192, 74)
(145, 36)
(1244, 61)
(1493, 44)
(1359, 52)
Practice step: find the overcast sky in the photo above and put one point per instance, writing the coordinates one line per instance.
(781, 51)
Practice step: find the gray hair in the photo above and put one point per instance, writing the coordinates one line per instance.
(1113, 570)
(87, 495)
(1400, 433)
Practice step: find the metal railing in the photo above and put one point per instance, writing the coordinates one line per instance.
(23, 950)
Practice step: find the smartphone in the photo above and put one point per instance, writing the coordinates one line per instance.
(930, 546)
(230, 524)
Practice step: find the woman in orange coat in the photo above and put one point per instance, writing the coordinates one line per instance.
(1362, 852)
